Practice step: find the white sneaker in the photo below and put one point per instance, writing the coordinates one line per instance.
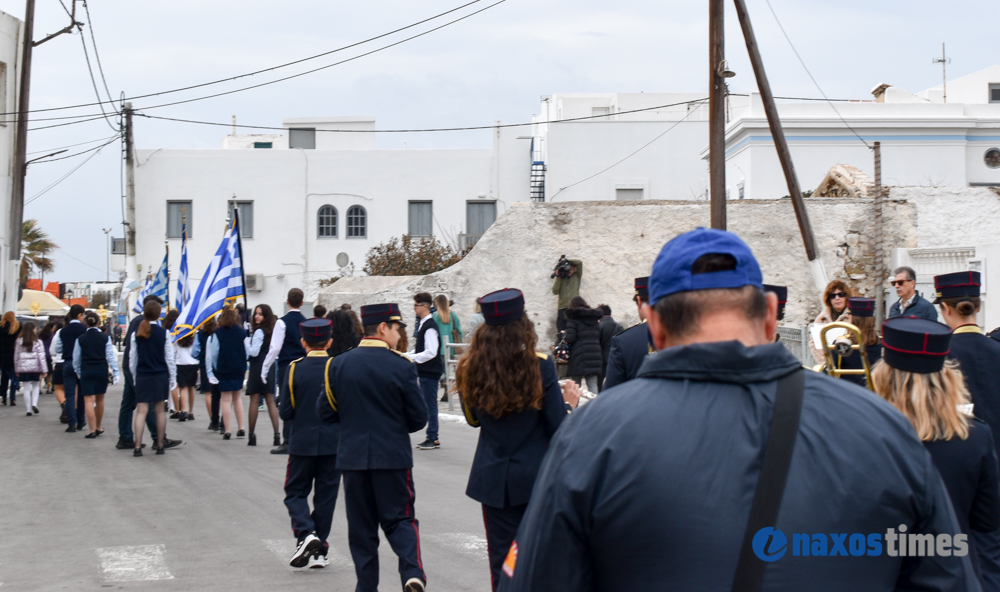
(318, 561)
(309, 545)
(414, 585)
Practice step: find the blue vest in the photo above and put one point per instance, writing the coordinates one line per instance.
(291, 347)
(93, 363)
(232, 361)
(434, 367)
(150, 351)
(68, 335)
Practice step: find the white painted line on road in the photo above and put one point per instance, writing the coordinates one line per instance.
(451, 417)
(134, 564)
(467, 544)
(284, 548)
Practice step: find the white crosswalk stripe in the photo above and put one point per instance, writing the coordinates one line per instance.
(467, 544)
(134, 564)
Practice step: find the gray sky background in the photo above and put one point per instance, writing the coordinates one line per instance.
(493, 66)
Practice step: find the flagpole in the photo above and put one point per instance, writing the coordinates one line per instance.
(166, 243)
(243, 274)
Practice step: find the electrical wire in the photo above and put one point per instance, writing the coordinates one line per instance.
(68, 13)
(78, 153)
(79, 260)
(63, 178)
(32, 129)
(319, 55)
(93, 80)
(97, 56)
(811, 77)
(640, 149)
(71, 145)
(438, 129)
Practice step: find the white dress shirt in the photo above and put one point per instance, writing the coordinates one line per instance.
(431, 346)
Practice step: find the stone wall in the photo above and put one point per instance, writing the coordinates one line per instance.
(619, 240)
(953, 216)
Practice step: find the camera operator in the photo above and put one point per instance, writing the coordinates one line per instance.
(567, 273)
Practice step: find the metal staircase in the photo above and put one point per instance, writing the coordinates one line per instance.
(537, 183)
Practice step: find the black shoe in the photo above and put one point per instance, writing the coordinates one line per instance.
(429, 444)
(277, 440)
(252, 441)
(124, 444)
(80, 426)
(34, 410)
(414, 585)
(240, 433)
(63, 418)
(91, 435)
(175, 415)
(190, 417)
(214, 426)
(183, 416)
(226, 436)
(309, 545)
(281, 449)
(71, 429)
(168, 443)
(29, 414)
(161, 450)
(137, 452)
(3, 401)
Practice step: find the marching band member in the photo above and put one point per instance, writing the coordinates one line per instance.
(862, 316)
(630, 347)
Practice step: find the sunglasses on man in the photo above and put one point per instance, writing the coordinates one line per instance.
(899, 282)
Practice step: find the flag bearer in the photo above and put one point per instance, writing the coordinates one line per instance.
(375, 395)
(312, 451)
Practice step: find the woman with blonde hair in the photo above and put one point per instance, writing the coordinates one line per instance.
(10, 328)
(448, 323)
(835, 310)
(915, 377)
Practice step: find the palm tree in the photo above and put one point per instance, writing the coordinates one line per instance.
(35, 249)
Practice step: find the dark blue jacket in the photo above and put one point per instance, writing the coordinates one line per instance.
(151, 352)
(920, 308)
(291, 347)
(978, 358)
(232, 361)
(68, 335)
(628, 351)
(511, 447)
(306, 384)
(93, 363)
(649, 486)
(375, 395)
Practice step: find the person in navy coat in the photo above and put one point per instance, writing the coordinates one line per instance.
(630, 347)
(862, 317)
(312, 452)
(930, 391)
(375, 395)
(517, 412)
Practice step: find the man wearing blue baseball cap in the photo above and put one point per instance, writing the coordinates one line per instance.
(674, 480)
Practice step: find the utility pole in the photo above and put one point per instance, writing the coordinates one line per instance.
(130, 262)
(944, 60)
(879, 252)
(781, 144)
(717, 112)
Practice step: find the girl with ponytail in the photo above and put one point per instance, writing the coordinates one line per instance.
(155, 370)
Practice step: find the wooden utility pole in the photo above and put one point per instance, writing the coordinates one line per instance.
(717, 112)
(784, 155)
(879, 243)
(130, 262)
(19, 168)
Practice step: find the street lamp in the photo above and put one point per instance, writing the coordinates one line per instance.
(107, 270)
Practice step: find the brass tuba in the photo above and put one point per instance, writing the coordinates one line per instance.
(844, 348)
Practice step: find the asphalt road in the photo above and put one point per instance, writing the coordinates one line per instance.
(78, 514)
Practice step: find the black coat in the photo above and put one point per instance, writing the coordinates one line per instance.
(978, 358)
(7, 348)
(609, 328)
(584, 338)
(306, 385)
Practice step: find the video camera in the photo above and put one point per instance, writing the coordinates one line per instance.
(563, 268)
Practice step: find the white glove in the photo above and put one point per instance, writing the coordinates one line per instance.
(213, 380)
(263, 378)
(114, 380)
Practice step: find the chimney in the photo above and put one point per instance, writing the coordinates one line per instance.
(879, 92)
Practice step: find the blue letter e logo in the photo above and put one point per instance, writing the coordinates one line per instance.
(769, 544)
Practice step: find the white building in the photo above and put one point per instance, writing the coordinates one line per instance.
(11, 31)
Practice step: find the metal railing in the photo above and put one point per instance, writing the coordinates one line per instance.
(450, 365)
(796, 340)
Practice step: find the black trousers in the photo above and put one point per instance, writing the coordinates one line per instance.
(987, 546)
(8, 379)
(561, 320)
(501, 527)
(216, 401)
(382, 498)
(280, 389)
(319, 475)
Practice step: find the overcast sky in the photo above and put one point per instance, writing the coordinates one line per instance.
(493, 66)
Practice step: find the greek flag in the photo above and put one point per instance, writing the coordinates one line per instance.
(221, 284)
(158, 285)
(183, 292)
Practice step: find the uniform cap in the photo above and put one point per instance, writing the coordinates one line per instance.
(861, 307)
(915, 345)
(957, 285)
(782, 293)
(502, 307)
(374, 314)
(642, 287)
(316, 330)
(672, 268)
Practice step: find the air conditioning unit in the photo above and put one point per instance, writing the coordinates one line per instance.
(255, 282)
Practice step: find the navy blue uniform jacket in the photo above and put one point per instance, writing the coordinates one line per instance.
(511, 448)
(628, 350)
(375, 395)
(649, 486)
(306, 384)
(978, 358)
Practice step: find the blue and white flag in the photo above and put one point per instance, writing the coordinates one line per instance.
(222, 284)
(183, 292)
(157, 286)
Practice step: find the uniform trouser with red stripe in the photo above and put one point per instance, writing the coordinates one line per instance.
(382, 498)
(319, 475)
(501, 528)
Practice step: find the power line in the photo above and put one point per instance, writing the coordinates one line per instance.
(97, 56)
(78, 153)
(93, 80)
(231, 78)
(72, 145)
(811, 77)
(78, 260)
(438, 129)
(68, 13)
(64, 177)
(640, 149)
(31, 129)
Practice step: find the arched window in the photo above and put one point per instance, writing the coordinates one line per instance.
(357, 222)
(326, 222)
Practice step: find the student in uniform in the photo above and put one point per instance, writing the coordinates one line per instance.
(375, 396)
(286, 345)
(211, 391)
(226, 364)
(930, 392)
(55, 363)
(862, 316)
(187, 373)
(30, 364)
(64, 350)
(978, 357)
(630, 347)
(93, 355)
(258, 344)
(517, 410)
(174, 405)
(426, 354)
(312, 452)
(155, 371)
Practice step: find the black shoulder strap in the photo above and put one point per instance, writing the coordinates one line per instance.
(771, 482)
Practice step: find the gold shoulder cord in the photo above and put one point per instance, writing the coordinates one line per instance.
(291, 381)
(329, 391)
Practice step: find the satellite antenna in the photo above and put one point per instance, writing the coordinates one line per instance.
(944, 60)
